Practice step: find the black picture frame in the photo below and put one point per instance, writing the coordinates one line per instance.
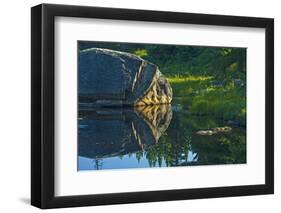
(43, 102)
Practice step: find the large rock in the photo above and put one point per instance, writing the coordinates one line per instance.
(108, 78)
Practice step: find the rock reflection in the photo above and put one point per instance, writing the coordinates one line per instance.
(110, 132)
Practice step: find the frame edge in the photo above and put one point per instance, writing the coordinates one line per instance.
(36, 85)
(269, 104)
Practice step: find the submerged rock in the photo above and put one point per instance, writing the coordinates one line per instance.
(113, 78)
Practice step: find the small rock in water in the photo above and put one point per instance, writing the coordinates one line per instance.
(205, 132)
(214, 130)
(222, 129)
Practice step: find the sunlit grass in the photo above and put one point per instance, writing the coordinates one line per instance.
(223, 103)
(181, 78)
(141, 52)
(184, 85)
(200, 96)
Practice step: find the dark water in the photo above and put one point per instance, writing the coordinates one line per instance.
(158, 136)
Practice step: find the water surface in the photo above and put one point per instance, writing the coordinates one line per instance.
(156, 136)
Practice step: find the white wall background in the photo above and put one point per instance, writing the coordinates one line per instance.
(15, 105)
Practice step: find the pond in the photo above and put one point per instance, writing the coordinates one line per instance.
(155, 136)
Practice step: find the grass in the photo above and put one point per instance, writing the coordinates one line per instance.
(188, 84)
(188, 78)
(220, 102)
(200, 96)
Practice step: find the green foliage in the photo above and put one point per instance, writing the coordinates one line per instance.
(141, 52)
(230, 106)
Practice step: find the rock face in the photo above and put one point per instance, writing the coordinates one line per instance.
(112, 78)
(110, 132)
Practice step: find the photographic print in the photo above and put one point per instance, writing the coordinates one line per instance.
(138, 95)
(156, 105)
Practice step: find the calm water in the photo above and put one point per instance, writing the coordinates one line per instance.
(158, 136)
